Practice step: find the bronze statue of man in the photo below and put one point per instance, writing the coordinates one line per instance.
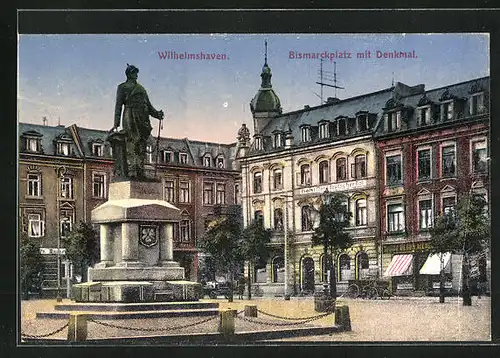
(135, 123)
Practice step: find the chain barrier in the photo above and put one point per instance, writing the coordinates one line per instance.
(282, 323)
(294, 318)
(151, 329)
(45, 335)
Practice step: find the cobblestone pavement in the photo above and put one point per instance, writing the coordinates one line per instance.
(410, 319)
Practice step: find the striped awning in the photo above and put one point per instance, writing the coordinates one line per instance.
(401, 265)
(432, 265)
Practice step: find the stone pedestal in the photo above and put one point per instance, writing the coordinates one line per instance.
(136, 232)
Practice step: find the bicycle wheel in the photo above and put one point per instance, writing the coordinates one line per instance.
(372, 293)
(385, 295)
(352, 291)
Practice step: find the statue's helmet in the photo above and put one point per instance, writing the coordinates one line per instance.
(131, 69)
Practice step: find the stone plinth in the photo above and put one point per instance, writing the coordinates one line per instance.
(133, 189)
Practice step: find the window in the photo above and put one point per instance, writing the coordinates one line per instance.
(323, 130)
(183, 158)
(220, 162)
(99, 185)
(277, 140)
(341, 126)
(32, 145)
(425, 214)
(207, 161)
(221, 193)
(257, 182)
(341, 165)
(306, 134)
(169, 191)
(448, 161)
(63, 148)
(424, 164)
(362, 122)
(345, 267)
(259, 217)
(149, 153)
(278, 219)
(97, 149)
(34, 185)
(208, 193)
(277, 179)
(447, 111)
(424, 116)
(258, 143)
(65, 226)
(449, 205)
(395, 218)
(305, 174)
(307, 224)
(185, 232)
(35, 226)
(166, 156)
(66, 187)
(477, 104)
(110, 151)
(361, 213)
(363, 266)
(359, 166)
(479, 157)
(183, 192)
(323, 172)
(236, 194)
(393, 169)
(278, 266)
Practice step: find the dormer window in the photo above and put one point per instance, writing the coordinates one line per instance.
(393, 121)
(323, 130)
(63, 148)
(362, 122)
(207, 161)
(166, 156)
(97, 149)
(220, 162)
(477, 103)
(424, 115)
(33, 145)
(183, 158)
(278, 140)
(342, 126)
(66, 187)
(447, 111)
(306, 134)
(258, 143)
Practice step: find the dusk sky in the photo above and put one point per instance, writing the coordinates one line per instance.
(74, 77)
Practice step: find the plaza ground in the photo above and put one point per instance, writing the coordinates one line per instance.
(397, 319)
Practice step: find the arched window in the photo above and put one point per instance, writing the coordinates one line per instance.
(277, 179)
(341, 169)
(278, 266)
(363, 265)
(307, 224)
(278, 219)
(361, 213)
(360, 166)
(305, 174)
(257, 182)
(323, 172)
(345, 267)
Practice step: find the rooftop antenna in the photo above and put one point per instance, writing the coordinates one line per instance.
(392, 84)
(327, 75)
(59, 120)
(44, 120)
(265, 53)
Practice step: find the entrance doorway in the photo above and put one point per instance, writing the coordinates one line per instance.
(308, 274)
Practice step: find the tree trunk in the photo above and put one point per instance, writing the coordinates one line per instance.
(231, 282)
(249, 283)
(466, 294)
(441, 281)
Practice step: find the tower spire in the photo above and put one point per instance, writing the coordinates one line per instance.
(265, 53)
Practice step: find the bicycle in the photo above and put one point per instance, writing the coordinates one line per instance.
(352, 291)
(373, 291)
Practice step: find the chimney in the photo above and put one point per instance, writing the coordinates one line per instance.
(44, 120)
(307, 106)
(288, 139)
(331, 100)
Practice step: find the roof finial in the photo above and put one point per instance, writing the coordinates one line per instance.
(392, 83)
(265, 54)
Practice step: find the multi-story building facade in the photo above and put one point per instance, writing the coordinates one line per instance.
(431, 148)
(65, 172)
(293, 159)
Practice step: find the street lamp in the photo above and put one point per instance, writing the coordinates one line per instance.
(285, 250)
(60, 171)
(326, 198)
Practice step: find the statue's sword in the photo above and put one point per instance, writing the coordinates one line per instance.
(160, 127)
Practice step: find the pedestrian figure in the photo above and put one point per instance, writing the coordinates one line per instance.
(241, 287)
